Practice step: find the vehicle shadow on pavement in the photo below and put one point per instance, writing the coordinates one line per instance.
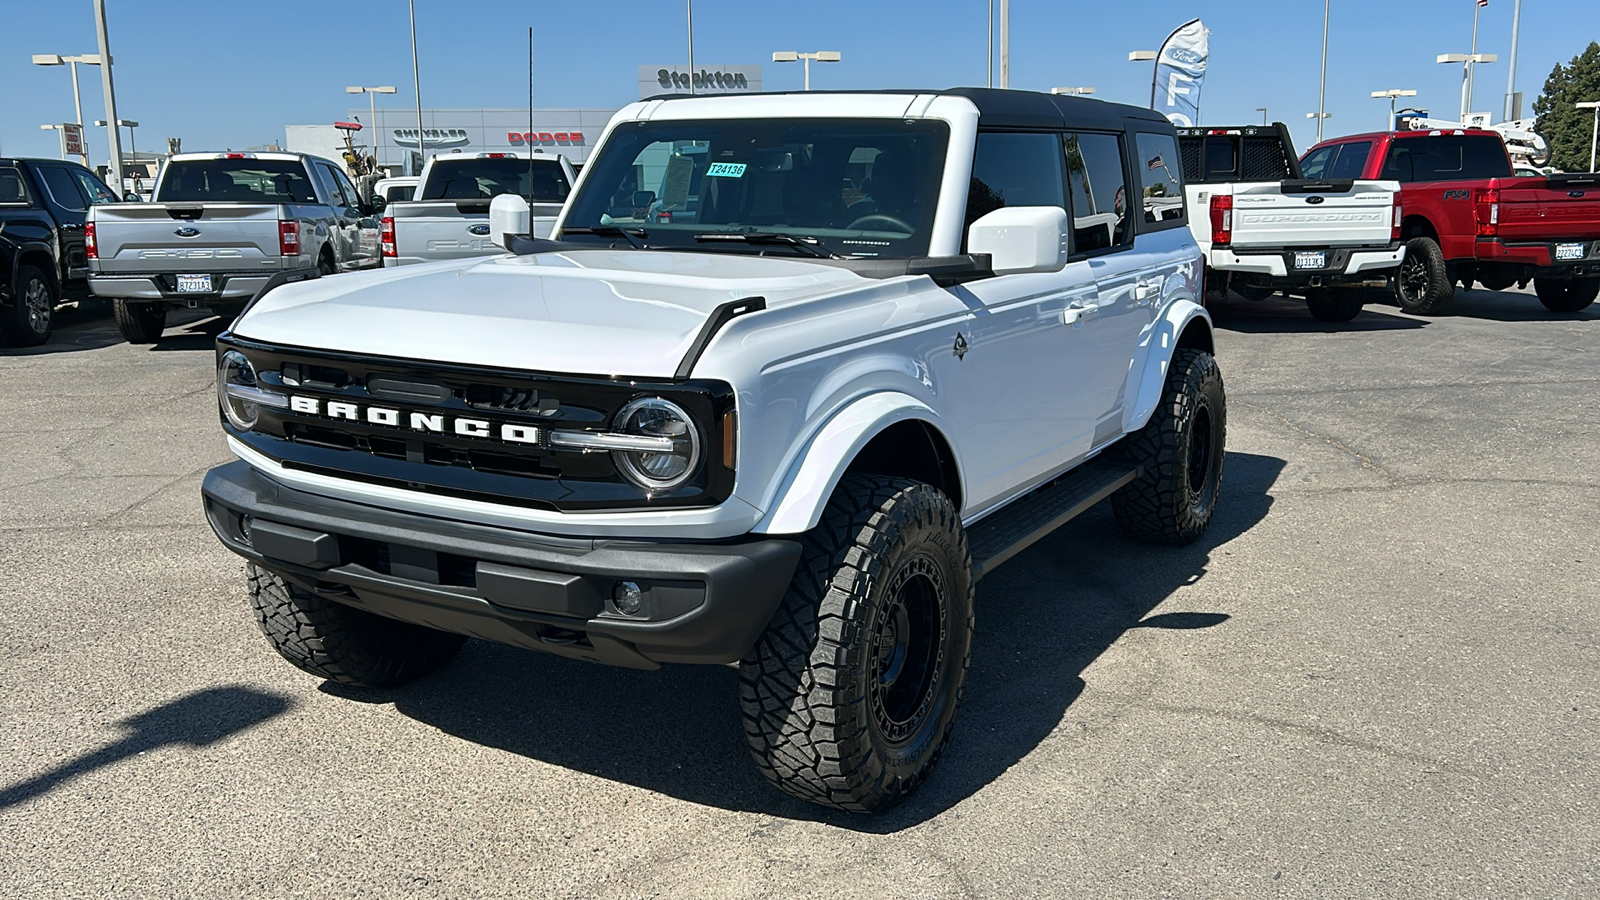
(1280, 315)
(93, 328)
(199, 719)
(1509, 306)
(1042, 618)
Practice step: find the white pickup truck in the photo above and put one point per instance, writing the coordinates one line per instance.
(449, 219)
(1267, 229)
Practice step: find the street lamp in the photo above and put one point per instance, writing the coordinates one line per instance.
(88, 59)
(1319, 116)
(820, 56)
(1147, 56)
(133, 147)
(1594, 134)
(1072, 91)
(1469, 62)
(1391, 94)
(53, 127)
(1263, 111)
(372, 105)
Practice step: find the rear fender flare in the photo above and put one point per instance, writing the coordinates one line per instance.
(807, 486)
(1146, 382)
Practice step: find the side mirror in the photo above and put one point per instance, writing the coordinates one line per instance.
(376, 204)
(643, 199)
(1021, 239)
(508, 214)
(131, 197)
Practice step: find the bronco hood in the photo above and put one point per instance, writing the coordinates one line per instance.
(594, 312)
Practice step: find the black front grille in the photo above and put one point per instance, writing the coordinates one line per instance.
(432, 454)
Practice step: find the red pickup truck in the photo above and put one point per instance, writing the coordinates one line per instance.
(1466, 218)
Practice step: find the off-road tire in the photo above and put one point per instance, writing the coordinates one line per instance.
(1422, 284)
(1335, 304)
(888, 558)
(140, 323)
(325, 266)
(342, 643)
(1181, 450)
(1566, 295)
(29, 319)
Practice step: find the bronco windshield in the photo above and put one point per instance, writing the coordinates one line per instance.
(849, 187)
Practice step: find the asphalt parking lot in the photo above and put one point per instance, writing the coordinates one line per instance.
(1376, 675)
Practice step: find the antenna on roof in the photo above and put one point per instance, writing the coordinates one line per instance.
(530, 116)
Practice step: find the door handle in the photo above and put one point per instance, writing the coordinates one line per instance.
(1146, 292)
(1078, 316)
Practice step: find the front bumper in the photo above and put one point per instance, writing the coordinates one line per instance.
(1345, 265)
(231, 287)
(703, 602)
(1540, 256)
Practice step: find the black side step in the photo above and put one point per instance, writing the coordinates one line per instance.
(1011, 530)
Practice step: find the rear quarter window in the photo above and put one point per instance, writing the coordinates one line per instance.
(1160, 180)
(13, 189)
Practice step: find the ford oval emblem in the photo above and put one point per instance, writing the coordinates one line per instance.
(1184, 55)
(1576, 194)
(479, 229)
(1313, 200)
(186, 231)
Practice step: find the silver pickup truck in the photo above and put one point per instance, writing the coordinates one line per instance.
(449, 219)
(221, 226)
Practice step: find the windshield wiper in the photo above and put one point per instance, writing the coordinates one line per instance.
(808, 246)
(627, 234)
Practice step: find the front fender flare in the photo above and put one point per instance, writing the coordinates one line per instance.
(1146, 382)
(807, 486)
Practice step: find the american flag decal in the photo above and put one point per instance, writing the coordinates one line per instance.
(1157, 162)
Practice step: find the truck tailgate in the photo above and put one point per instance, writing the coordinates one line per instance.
(154, 238)
(1539, 209)
(433, 230)
(1298, 214)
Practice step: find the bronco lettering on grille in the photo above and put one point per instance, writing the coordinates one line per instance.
(424, 423)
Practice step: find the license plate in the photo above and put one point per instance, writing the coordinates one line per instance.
(1306, 260)
(1569, 251)
(194, 284)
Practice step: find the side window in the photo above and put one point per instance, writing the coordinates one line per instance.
(335, 190)
(1015, 169)
(62, 188)
(12, 188)
(1160, 187)
(93, 188)
(1315, 165)
(1098, 191)
(351, 197)
(1397, 167)
(1484, 156)
(1352, 160)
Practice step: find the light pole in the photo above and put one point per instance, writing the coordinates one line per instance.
(1322, 90)
(820, 56)
(1391, 94)
(88, 59)
(1147, 56)
(689, 8)
(1072, 91)
(112, 133)
(1513, 108)
(53, 127)
(1319, 116)
(372, 106)
(1005, 43)
(133, 146)
(990, 5)
(1468, 61)
(1594, 133)
(1263, 111)
(416, 78)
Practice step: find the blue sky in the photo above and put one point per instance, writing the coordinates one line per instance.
(228, 73)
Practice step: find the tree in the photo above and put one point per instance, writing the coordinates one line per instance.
(1567, 128)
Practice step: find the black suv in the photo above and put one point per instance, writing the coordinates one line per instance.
(43, 206)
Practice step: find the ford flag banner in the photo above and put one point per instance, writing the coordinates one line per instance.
(1180, 68)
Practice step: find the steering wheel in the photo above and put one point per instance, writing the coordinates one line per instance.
(866, 223)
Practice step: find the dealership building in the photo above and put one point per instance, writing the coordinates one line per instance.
(393, 137)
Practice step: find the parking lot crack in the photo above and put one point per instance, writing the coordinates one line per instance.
(1366, 461)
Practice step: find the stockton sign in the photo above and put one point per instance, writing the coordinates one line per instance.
(657, 80)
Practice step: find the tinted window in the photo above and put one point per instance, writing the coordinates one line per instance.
(1315, 165)
(1160, 188)
(93, 187)
(860, 187)
(1449, 157)
(351, 196)
(238, 180)
(393, 192)
(1219, 162)
(61, 187)
(483, 179)
(11, 187)
(1015, 170)
(336, 185)
(1099, 195)
(1351, 160)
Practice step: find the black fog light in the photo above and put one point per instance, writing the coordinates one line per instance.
(628, 597)
(244, 527)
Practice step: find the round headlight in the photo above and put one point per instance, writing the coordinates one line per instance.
(658, 470)
(234, 369)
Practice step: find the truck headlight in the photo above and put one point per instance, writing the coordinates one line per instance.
(679, 441)
(238, 394)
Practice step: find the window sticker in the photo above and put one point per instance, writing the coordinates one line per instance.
(726, 170)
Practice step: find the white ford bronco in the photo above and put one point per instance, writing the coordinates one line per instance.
(795, 373)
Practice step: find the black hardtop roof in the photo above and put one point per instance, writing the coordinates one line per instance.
(1012, 109)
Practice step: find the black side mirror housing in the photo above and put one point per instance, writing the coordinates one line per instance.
(376, 204)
